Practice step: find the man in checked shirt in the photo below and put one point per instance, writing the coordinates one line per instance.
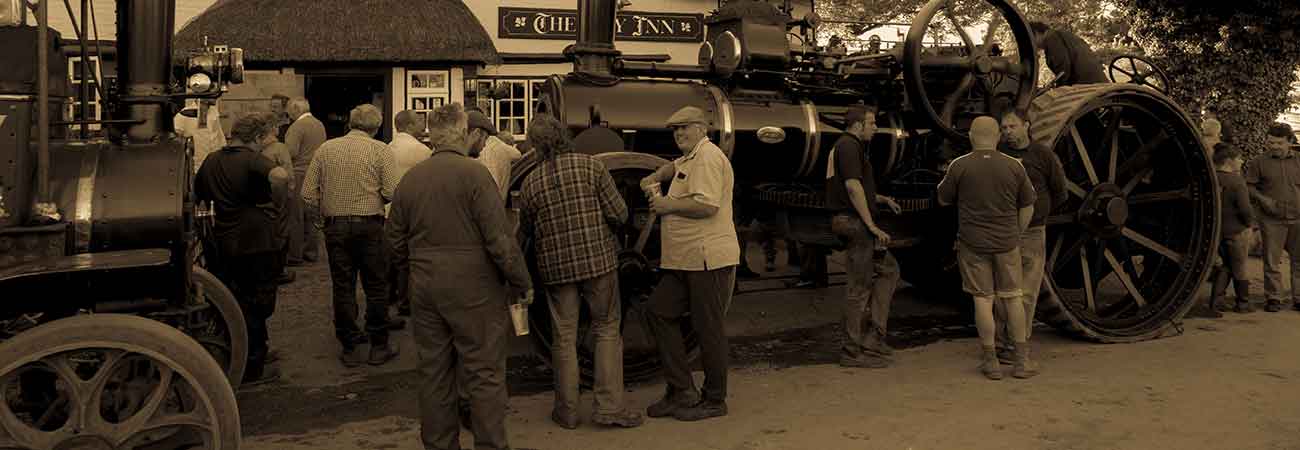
(350, 179)
(570, 206)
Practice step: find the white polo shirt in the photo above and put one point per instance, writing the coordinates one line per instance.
(710, 243)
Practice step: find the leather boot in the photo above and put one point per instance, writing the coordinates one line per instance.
(1023, 368)
(989, 365)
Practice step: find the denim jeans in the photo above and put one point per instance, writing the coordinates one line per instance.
(356, 247)
(871, 283)
(1279, 237)
(601, 296)
(1033, 252)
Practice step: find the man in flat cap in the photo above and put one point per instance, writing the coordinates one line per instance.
(699, 258)
(995, 203)
(490, 150)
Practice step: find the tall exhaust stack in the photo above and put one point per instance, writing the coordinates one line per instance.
(144, 47)
(595, 48)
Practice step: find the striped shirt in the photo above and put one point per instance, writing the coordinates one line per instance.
(571, 205)
(353, 175)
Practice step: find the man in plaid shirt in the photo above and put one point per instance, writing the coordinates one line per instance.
(350, 179)
(570, 206)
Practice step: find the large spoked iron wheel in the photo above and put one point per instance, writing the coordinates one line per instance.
(219, 326)
(985, 74)
(1129, 250)
(638, 274)
(110, 381)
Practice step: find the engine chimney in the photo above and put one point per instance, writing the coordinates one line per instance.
(595, 48)
(144, 46)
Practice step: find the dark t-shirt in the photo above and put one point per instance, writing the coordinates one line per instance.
(1046, 175)
(235, 180)
(847, 161)
(1067, 53)
(989, 189)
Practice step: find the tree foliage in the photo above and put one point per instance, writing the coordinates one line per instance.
(1236, 59)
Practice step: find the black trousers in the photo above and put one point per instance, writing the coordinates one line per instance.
(252, 278)
(706, 295)
(355, 246)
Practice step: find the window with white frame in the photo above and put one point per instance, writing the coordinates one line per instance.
(510, 102)
(426, 90)
(91, 85)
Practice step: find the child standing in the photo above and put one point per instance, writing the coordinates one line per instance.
(1237, 218)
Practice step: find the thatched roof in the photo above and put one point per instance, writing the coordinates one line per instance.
(389, 31)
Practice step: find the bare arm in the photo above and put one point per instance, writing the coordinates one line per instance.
(311, 185)
(858, 197)
(685, 207)
(1026, 215)
(663, 174)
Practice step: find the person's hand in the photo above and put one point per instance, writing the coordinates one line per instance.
(526, 298)
(893, 205)
(660, 205)
(649, 186)
(882, 238)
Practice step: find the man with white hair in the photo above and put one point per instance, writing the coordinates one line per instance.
(995, 203)
(350, 179)
(1211, 133)
(303, 137)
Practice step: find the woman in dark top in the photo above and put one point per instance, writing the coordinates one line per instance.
(1237, 219)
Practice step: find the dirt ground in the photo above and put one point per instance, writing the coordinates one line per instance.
(1223, 384)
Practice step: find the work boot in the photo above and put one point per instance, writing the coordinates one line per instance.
(1007, 355)
(260, 376)
(566, 421)
(1023, 368)
(623, 419)
(1243, 307)
(989, 365)
(351, 357)
(876, 344)
(382, 353)
(1273, 305)
(673, 401)
(705, 409)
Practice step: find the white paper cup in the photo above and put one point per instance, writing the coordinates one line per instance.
(519, 317)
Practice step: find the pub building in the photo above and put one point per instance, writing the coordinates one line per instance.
(531, 35)
(338, 54)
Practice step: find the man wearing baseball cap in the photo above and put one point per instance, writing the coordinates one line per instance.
(490, 150)
(699, 258)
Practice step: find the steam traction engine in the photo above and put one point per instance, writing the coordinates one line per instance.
(109, 336)
(1126, 253)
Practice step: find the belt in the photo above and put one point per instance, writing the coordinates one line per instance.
(350, 219)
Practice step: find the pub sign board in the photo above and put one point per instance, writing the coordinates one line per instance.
(542, 23)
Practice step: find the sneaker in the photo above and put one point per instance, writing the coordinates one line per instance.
(672, 402)
(566, 422)
(1243, 307)
(351, 358)
(380, 354)
(1273, 306)
(623, 419)
(705, 409)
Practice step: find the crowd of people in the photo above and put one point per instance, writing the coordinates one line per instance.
(426, 230)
